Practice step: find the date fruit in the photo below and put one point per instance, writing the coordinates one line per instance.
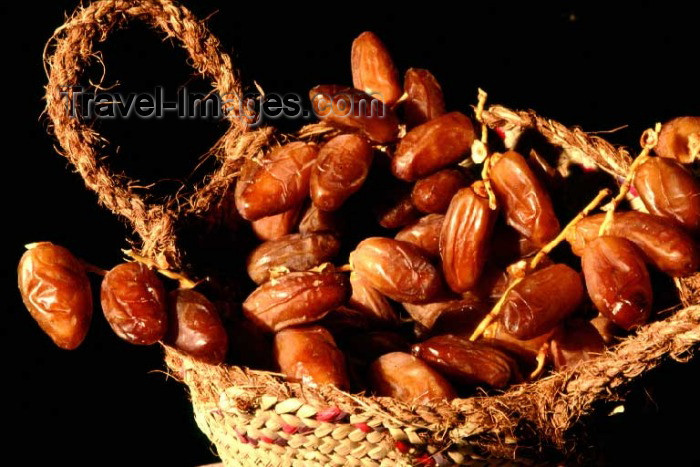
(396, 210)
(526, 350)
(425, 234)
(409, 379)
(276, 184)
(373, 71)
(541, 301)
(525, 201)
(425, 100)
(434, 193)
(195, 327)
(310, 356)
(341, 168)
(450, 315)
(465, 236)
(575, 341)
(296, 252)
(370, 301)
(399, 270)
(276, 226)
(679, 138)
(352, 109)
(465, 362)
(617, 280)
(295, 298)
(432, 146)
(134, 303)
(56, 291)
(669, 190)
(666, 246)
(316, 221)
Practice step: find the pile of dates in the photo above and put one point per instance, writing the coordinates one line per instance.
(380, 250)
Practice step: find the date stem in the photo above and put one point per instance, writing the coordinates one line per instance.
(495, 311)
(541, 361)
(480, 152)
(648, 141)
(184, 281)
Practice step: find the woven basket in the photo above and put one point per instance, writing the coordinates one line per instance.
(254, 417)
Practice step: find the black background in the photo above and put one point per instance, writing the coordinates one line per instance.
(108, 402)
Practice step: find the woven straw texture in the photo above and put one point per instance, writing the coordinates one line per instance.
(254, 417)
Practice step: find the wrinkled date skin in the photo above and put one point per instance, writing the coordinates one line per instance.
(676, 138)
(664, 245)
(575, 341)
(309, 355)
(425, 100)
(134, 303)
(195, 327)
(56, 291)
(373, 71)
(669, 190)
(617, 280)
(341, 168)
(450, 315)
(541, 300)
(370, 301)
(434, 193)
(397, 269)
(276, 184)
(316, 221)
(466, 362)
(276, 226)
(295, 298)
(296, 252)
(465, 236)
(525, 201)
(433, 145)
(425, 234)
(408, 379)
(352, 109)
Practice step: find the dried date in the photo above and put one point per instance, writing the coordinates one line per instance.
(134, 303)
(425, 234)
(434, 193)
(409, 379)
(679, 139)
(373, 71)
(56, 291)
(424, 99)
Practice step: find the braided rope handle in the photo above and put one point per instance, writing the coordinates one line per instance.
(68, 52)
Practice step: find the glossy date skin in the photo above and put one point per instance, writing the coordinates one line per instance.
(295, 298)
(669, 190)
(352, 109)
(425, 234)
(466, 362)
(340, 170)
(526, 350)
(425, 100)
(399, 270)
(310, 356)
(277, 225)
(397, 210)
(524, 199)
(408, 379)
(296, 252)
(541, 301)
(617, 280)
(574, 342)
(373, 71)
(276, 184)
(465, 236)
(434, 193)
(674, 139)
(432, 146)
(56, 291)
(666, 246)
(134, 303)
(195, 327)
